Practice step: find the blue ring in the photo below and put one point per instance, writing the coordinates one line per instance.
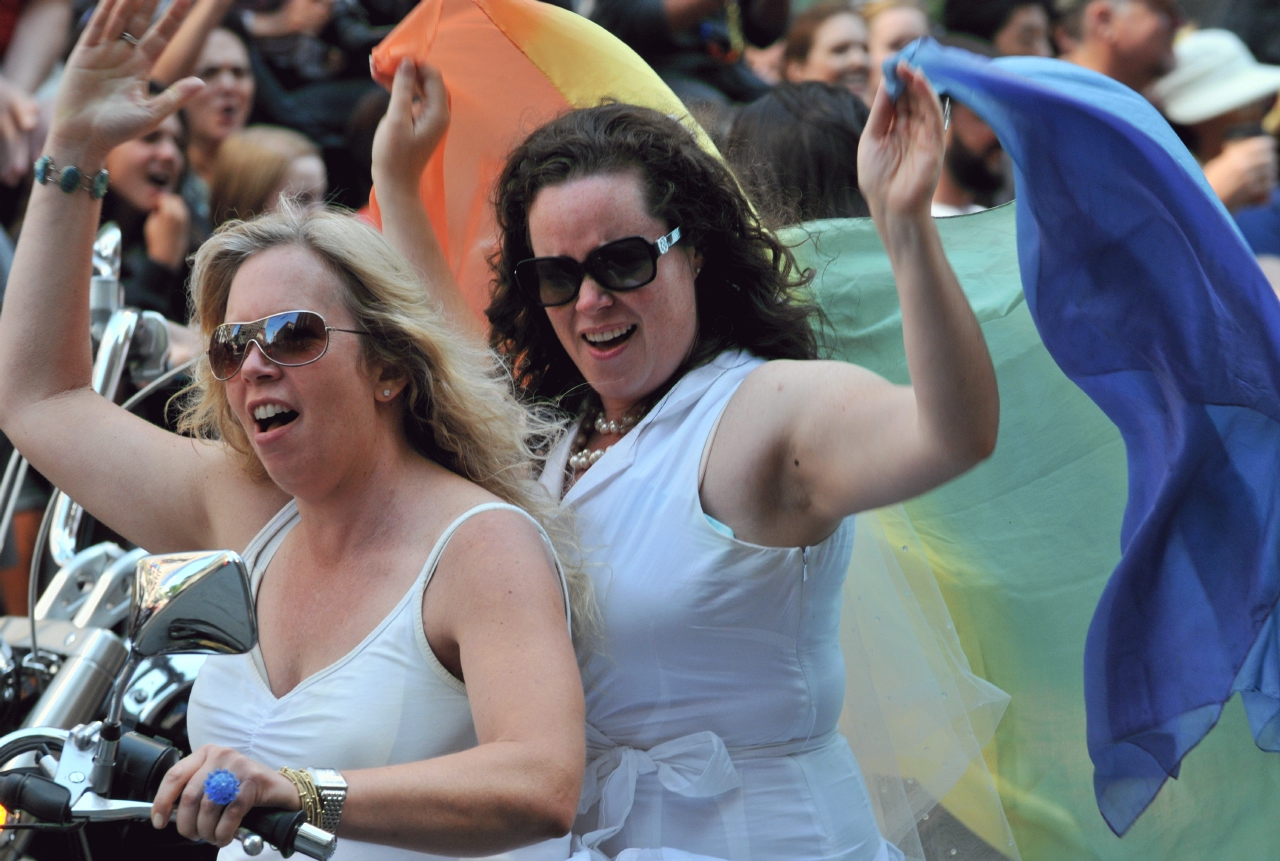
(221, 786)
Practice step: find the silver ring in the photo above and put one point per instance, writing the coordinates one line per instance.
(130, 38)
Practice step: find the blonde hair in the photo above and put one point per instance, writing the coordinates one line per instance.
(249, 166)
(871, 10)
(459, 410)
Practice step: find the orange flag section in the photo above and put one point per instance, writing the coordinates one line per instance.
(510, 66)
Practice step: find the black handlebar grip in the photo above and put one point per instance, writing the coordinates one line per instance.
(37, 795)
(277, 827)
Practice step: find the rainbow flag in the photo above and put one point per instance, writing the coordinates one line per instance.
(510, 66)
(1022, 548)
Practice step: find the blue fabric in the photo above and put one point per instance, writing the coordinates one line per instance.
(1148, 298)
(1261, 226)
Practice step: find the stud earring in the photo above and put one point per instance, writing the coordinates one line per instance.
(386, 393)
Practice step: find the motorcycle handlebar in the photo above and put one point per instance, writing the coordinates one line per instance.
(288, 831)
(37, 795)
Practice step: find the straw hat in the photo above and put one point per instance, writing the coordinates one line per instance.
(1215, 74)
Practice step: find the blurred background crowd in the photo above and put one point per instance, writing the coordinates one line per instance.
(783, 87)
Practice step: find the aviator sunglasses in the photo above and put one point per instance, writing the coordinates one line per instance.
(618, 266)
(291, 338)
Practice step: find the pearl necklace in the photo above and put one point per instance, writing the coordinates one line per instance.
(580, 458)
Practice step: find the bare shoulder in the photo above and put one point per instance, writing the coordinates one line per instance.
(500, 547)
(496, 577)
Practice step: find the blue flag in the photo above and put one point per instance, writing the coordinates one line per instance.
(1149, 300)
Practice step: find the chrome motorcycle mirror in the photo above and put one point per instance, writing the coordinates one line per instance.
(192, 602)
(182, 602)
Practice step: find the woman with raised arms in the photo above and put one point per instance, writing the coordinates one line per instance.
(414, 647)
(715, 463)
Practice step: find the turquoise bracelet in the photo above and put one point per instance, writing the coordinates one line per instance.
(71, 178)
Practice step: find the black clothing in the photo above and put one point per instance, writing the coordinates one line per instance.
(693, 62)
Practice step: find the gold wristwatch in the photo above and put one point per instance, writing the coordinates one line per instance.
(333, 795)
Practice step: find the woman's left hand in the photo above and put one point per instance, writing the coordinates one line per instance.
(900, 154)
(412, 129)
(198, 818)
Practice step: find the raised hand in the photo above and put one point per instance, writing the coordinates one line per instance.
(18, 116)
(1244, 173)
(103, 99)
(412, 128)
(167, 231)
(900, 154)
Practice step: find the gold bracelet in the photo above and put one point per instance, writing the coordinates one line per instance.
(308, 793)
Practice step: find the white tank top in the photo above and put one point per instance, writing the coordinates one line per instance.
(386, 702)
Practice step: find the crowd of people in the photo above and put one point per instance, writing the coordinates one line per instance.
(641, 301)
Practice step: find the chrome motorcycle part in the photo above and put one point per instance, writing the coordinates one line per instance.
(108, 366)
(64, 525)
(158, 683)
(107, 603)
(105, 292)
(66, 801)
(113, 352)
(15, 475)
(149, 353)
(88, 662)
(250, 842)
(75, 581)
(188, 602)
(21, 748)
(182, 602)
(75, 766)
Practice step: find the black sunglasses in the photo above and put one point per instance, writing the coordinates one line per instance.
(618, 266)
(291, 339)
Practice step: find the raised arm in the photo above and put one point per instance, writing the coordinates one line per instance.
(179, 57)
(39, 38)
(408, 135)
(804, 444)
(151, 486)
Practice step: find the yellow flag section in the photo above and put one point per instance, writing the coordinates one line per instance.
(510, 66)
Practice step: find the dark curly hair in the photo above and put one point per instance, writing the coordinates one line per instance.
(794, 150)
(750, 294)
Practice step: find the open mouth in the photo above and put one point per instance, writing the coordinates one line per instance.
(271, 416)
(228, 113)
(856, 81)
(609, 339)
(160, 178)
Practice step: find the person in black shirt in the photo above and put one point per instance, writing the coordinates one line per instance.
(696, 45)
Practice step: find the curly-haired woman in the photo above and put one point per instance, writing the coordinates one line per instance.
(714, 463)
(343, 435)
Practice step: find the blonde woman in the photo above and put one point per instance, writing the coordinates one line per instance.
(343, 436)
(891, 26)
(257, 168)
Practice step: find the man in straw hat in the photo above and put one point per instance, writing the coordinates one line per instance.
(1217, 96)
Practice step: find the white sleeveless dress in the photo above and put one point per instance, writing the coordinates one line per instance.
(712, 704)
(388, 701)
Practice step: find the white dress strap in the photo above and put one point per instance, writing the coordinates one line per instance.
(429, 569)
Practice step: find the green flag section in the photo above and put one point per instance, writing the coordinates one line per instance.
(1022, 547)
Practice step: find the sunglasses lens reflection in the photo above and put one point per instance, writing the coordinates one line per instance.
(293, 338)
(558, 280)
(625, 264)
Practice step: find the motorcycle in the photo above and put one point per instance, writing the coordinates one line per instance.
(60, 780)
(60, 663)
